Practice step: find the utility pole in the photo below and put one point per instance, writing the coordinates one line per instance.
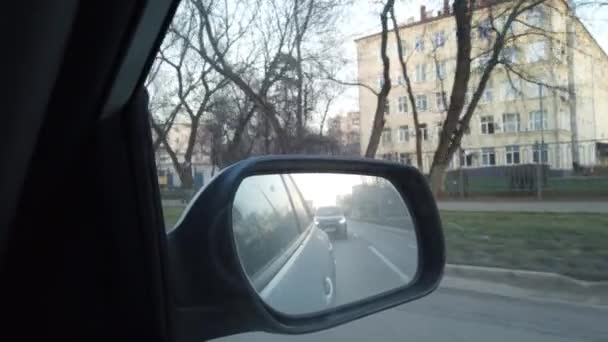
(539, 169)
(542, 113)
(461, 160)
(570, 41)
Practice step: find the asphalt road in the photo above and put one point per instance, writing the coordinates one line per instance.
(375, 259)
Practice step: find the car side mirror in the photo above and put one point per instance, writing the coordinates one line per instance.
(297, 244)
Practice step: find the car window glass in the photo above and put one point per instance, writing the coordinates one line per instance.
(329, 211)
(296, 197)
(264, 220)
(523, 186)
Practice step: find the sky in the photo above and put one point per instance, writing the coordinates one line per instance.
(362, 18)
(322, 188)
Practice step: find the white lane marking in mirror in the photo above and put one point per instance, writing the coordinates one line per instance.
(281, 274)
(406, 279)
(394, 230)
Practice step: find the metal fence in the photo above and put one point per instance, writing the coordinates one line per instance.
(534, 170)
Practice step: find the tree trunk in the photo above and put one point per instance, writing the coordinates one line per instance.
(418, 138)
(378, 125)
(185, 176)
(233, 152)
(299, 79)
(463, 14)
(410, 92)
(437, 178)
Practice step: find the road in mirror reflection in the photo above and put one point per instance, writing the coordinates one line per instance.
(311, 242)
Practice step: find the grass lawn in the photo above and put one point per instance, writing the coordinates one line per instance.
(172, 214)
(571, 244)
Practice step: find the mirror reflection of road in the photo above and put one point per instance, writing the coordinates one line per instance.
(374, 259)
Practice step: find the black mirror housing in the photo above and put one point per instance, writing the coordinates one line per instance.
(212, 294)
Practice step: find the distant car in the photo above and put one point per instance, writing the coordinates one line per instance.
(331, 220)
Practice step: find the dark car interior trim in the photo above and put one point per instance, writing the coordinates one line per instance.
(84, 232)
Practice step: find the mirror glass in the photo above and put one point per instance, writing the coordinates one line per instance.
(312, 242)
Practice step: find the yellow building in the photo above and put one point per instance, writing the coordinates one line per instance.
(508, 126)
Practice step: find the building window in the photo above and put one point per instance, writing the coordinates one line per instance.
(403, 47)
(482, 61)
(488, 94)
(466, 159)
(380, 80)
(404, 134)
(400, 80)
(402, 104)
(509, 90)
(484, 30)
(439, 39)
(423, 131)
(533, 90)
(386, 136)
(421, 103)
(510, 122)
(420, 72)
(488, 156)
(387, 106)
(405, 158)
(536, 17)
(538, 120)
(439, 128)
(543, 151)
(441, 70)
(536, 51)
(509, 55)
(487, 125)
(440, 97)
(512, 155)
(419, 44)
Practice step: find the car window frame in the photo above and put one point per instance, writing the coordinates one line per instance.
(298, 196)
(262, 277)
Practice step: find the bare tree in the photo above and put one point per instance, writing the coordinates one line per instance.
(277, 77)
(458, 117)
(192, 88)
(302, 17)
(163, 107)
(378, 123)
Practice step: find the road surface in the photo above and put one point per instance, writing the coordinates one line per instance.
(445, 315)
(448, 315)
(374, 259)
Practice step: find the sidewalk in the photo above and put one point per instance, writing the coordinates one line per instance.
(526, 206)
(525, 284)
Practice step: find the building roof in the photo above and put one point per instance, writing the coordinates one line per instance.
(483, 4)
(441, 15)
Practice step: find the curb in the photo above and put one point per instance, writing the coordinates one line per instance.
(525, 284)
